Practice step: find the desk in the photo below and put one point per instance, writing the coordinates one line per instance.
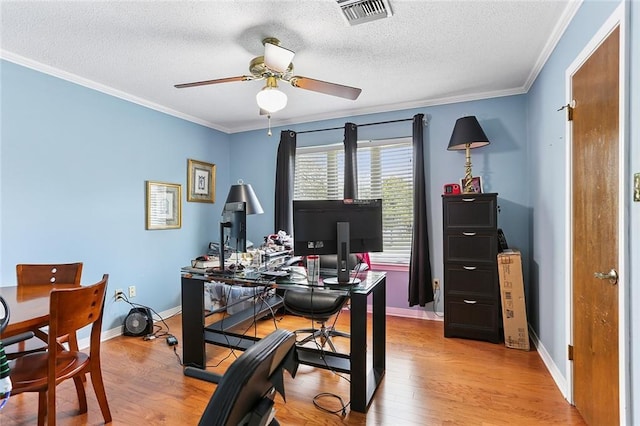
(29, 305)
(364, 381)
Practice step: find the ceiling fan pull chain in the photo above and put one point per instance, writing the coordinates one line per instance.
(269, 131)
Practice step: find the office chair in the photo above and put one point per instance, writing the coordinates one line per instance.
(318, 306)
(69, 310)
(245, 393)
(329, 264)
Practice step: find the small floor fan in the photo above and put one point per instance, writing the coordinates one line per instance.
(138, 322)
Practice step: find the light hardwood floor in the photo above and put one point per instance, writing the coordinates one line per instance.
(429, 380)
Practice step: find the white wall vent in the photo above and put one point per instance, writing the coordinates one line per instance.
(361, 11)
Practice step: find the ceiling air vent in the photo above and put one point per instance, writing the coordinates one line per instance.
(361, 11)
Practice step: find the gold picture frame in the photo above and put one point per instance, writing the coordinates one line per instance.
(164, 205)
(201, 181)
(476, 185)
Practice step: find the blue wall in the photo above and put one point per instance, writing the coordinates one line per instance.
(73, 162)
(77, 159)
(500, 164)
(547, 160)
(546, 153)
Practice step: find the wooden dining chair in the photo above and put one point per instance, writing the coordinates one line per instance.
(60, 273)
(70, 310)
(32, 274)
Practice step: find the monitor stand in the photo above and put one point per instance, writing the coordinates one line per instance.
(343, 278)
(343, 249)
(335, 281)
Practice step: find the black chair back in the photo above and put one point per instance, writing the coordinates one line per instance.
(246, 391)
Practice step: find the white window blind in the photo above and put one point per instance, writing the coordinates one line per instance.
(385, 171)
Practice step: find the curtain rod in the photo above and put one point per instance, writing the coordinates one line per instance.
(359, 125)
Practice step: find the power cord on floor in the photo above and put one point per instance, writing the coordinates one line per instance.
(342, 410)
(320, 348)
(175, 351)
(436, 300)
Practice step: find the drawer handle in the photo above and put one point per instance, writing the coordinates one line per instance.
(470, 302)
(470, 268)
(469, 234)
(469, 200)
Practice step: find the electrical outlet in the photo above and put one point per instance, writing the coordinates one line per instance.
(132, 291)
(436, 284)
(119, 295)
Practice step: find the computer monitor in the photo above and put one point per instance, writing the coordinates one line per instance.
(337, 227)
(233, 229)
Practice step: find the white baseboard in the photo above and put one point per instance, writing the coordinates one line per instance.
(557, 376)
(415, 313)
(117, 331)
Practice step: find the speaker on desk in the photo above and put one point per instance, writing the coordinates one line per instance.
(138, 322)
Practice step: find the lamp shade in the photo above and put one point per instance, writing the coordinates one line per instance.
(467, 131)
(244, 192)
(270, 98)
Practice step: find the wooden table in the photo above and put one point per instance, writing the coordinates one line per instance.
(29, 305)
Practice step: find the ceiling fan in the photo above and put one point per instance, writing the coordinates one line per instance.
(276, 65)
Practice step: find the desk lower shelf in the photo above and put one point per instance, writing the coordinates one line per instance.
(324, 359)
(219, 333)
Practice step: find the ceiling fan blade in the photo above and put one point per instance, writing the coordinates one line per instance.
(277, 58)
(219, 80)
(326, 87)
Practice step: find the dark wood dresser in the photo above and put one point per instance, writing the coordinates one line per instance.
(471, 287)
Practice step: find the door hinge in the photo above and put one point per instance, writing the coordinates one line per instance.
(570, 352)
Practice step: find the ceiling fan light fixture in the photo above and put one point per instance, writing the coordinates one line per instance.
(276, 58)
(270, 98)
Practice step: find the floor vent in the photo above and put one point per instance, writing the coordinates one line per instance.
(361, 11)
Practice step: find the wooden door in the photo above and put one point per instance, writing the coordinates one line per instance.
(595, 138)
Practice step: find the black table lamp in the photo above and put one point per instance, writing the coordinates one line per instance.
(244, 192)
(467, 134)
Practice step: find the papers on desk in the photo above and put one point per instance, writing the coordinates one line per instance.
(274, 274)
(204, 264)
(298, 272)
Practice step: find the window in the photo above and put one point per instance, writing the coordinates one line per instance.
(385, 170)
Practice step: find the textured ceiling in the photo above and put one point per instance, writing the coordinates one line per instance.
(428, 52)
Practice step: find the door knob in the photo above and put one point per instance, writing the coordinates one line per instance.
(612, 276)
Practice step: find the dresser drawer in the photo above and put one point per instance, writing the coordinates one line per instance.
(471, 247)
(470, 211)
(470, 280)
(472, 319)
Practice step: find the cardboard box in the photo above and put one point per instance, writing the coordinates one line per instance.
(514, 310)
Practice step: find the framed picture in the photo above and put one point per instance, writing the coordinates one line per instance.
(164, 205)
(476, 185)
(201, 182)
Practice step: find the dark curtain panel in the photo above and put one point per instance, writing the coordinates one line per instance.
(420, 290)
(285, 175)
(350, 161)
